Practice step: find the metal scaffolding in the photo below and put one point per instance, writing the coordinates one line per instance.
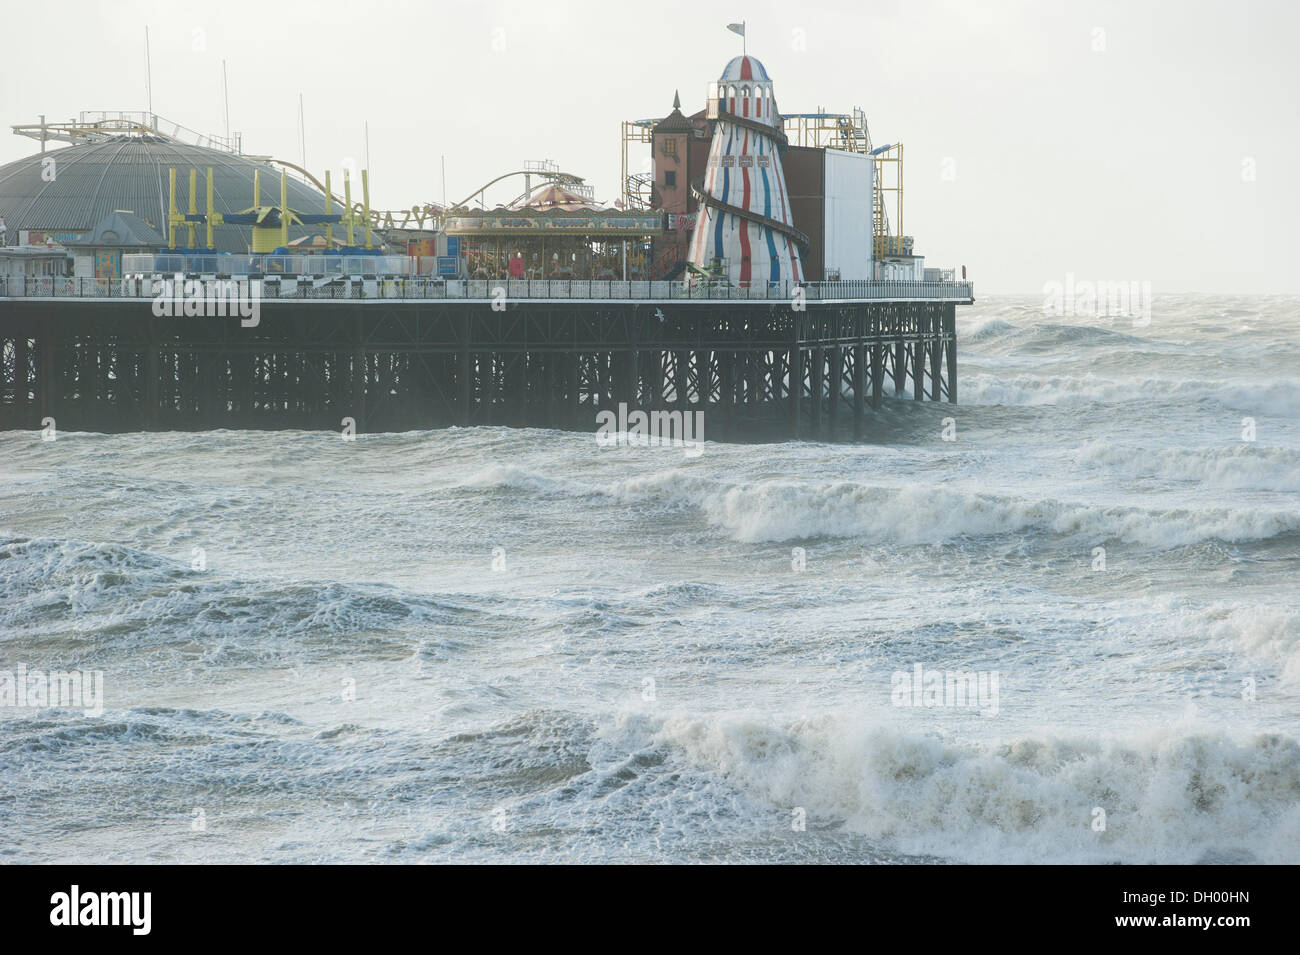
(636, 186)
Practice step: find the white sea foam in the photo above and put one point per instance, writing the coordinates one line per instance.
(927, 513)
(1277, 396)
(1239, 466)
(136, 598)
(1269, 634)
(1170, 796)
(983, 327)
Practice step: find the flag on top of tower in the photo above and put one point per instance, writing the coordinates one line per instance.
(737, 28)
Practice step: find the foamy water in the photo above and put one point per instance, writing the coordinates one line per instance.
(500, 645)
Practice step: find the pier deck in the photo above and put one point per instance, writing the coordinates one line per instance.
(406, 354)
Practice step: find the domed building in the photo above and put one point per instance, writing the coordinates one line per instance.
(68, 191)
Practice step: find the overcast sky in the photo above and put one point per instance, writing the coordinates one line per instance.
(1135, 140)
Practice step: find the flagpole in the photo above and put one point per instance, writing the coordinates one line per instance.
(740, 28)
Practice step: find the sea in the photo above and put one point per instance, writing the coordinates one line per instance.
(1058, 621)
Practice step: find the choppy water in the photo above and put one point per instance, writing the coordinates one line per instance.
(648, 678)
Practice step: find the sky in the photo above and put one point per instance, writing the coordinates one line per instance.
(1106, 141)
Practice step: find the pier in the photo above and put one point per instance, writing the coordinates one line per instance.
(756, 270)
(803, 361)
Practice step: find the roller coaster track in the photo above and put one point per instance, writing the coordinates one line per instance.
(639, 189)
(563, 178)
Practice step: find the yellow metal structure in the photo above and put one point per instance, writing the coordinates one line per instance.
(268, 238)
(271, 228)
(194, 208)
(347, 199)
(426, 215)
(329, 208)
(264, 239)
(365, 195)
(174, 217)
(284, 209)
(887, 231)
(820, 130)
(211, 214)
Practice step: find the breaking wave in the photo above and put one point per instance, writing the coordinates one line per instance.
(1239, 466)
(1279, 396)
(125, 595)
(1171, 796)
(781, 511)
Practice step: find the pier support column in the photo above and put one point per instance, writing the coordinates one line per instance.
(360, 374)
(549, 399)
(484, 383)
(900, 366)
(22, 385)
(682, 378)
(573, 384)
(465, 373)
(152, 385)
(727, 391)
(47, 384)
(796, 390)
(918, 364)
(246, 368)
(859, 389)
(950, 336)
(624, 379)
(935, 329)
(818, 382)
(877, 373)
(204, 400)
(704, 379)
(834, 386)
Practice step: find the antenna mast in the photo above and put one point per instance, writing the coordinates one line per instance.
(148, 76)
(225, 92)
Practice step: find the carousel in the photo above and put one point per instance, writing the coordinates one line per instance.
(555, 233)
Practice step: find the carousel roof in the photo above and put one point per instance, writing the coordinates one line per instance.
(553, 197)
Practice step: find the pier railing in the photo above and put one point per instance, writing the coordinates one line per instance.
(270, 264)
(370, 288)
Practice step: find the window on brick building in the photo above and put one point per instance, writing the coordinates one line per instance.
(670, 178)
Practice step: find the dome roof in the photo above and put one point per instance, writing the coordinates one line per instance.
(92, 180)
(744, 68)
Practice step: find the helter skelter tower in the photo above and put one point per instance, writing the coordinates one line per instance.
(744, 231)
